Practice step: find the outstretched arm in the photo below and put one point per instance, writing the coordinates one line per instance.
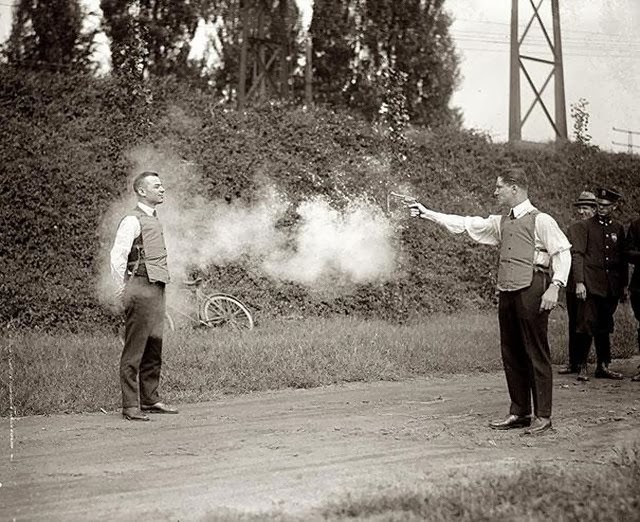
(482, 230)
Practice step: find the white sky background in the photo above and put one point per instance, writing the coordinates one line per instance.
(601, 48)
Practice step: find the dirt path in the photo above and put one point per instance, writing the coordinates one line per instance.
(296, 449)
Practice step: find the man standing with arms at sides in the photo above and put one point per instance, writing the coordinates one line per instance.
(632, 250)
(601, 275)
(585, 208)
(531, 246)
(139, 268)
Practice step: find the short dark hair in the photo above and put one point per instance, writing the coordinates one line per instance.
(139, 178)
(516, 176)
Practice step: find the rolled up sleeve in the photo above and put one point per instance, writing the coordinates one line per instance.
(127, 232)
(482, 230)
(556, 244)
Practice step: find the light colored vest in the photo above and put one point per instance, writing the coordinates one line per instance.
(148, 256)
(517, 252)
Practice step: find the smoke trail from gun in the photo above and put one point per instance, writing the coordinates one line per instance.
(353, 245)
(327, 247)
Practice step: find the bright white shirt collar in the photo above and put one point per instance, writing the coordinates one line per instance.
(522, 209)
(146, 208)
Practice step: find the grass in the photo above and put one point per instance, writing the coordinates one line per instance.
(606, 493)
(79, 372)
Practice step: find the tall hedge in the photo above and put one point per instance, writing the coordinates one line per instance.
(64, 161)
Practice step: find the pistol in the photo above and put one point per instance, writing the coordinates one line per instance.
(407, 200)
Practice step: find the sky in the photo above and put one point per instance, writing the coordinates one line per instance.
(601, 44)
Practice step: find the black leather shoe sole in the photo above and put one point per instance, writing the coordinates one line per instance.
(159, 410)
(141, 418)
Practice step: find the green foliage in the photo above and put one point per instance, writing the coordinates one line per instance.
(65, 148)
(393, 114)
(355, 42)
(580, 115)
(34, 44)
(157, 31)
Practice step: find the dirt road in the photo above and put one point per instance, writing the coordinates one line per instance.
(296, 449)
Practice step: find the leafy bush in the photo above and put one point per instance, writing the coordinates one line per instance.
(66, 157)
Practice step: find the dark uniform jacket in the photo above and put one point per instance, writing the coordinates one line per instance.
(632, 250)
(571, 281)
(597, 256)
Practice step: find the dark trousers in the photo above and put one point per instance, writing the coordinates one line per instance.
(525, 348)
(596, 321)
(142, 354)
(634, 297)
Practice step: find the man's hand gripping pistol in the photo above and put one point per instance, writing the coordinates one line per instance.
(410, 202)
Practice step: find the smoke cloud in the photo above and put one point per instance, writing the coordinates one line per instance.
(353, 245)
(328, 247)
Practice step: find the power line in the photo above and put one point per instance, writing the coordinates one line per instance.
(630, 146)
(583, 55)
(563, 30)
(501, 37)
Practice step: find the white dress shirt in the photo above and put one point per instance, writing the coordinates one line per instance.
(548, 235)
(127, 233)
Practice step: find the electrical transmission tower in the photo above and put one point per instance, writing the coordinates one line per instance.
(266, 62)
(264, 55)
(521, 63)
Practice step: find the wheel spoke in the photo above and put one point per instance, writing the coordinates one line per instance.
(227, 311)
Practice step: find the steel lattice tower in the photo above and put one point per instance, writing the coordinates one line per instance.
(519, 62)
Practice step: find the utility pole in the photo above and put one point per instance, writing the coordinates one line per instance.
(630, 146)
(518, 65)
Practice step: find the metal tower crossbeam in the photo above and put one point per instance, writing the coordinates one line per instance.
(558, 121)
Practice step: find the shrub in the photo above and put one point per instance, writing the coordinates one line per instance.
(66, 157)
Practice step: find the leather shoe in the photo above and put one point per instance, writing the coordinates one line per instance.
(602, 372)
(511, 422)
(567, 370)
(538, 426)
(158, 407)
(582, 374)
(134, 414)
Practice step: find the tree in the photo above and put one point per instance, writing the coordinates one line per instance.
(334, 34)
(357, 40)
(166, 28)
(49, 33)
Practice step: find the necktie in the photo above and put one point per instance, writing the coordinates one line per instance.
(512, 214)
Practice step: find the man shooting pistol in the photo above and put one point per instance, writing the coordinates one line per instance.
(534, 264)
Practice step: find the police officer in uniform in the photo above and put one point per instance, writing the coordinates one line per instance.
(585, 208)
(601, 274)
(534, 263)
(632, 251)
(139, 269)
